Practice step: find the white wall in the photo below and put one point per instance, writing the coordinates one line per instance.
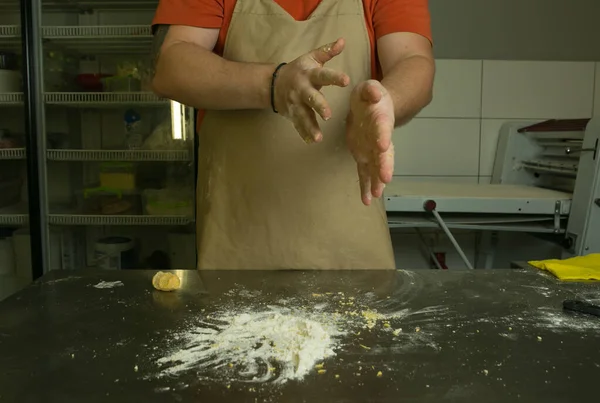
(516, 29)
(454, 138)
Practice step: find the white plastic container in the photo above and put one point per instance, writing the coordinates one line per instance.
(168, 202)
(115, 253)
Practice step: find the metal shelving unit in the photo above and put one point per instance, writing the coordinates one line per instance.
(119, 220)
(99, 40)
(14, 216)
(103, 155)
(10, 38)
(103, 99)
(89, 99)
(10, 32)
(12, 153)
(14, 220)
(107, 37)
(83, 5)
(11, 98)
(119, 155)
(107, 48)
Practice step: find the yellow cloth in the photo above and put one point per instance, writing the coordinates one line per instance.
(580, 268)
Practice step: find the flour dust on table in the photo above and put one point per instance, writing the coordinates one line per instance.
(546, 318)
(285, 341)
(109, 284)
(276, 344)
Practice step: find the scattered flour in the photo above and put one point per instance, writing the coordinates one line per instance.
(274, 345)
(558, 320)
(545, 291)
(61, 280)
(549, 318)
(109, 284)
(251, 342)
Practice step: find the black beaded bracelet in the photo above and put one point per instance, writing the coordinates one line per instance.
(273, 86)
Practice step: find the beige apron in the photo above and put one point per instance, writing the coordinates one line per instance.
(267, 200)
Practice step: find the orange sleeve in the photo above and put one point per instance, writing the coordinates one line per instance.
(391, 16)
(194, 13)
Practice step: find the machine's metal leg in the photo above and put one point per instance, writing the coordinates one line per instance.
(430, 206)
(428, 249)
(492, 244)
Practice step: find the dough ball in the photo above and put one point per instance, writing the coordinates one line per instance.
(166, 281)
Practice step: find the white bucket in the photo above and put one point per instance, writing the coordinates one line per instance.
(114, 253)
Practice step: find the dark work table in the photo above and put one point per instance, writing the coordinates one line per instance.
(467, 336)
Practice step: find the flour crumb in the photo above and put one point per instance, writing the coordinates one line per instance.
(109, 284)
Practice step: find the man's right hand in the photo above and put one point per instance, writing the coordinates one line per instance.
(297, 86)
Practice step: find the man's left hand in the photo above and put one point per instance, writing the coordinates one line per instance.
(369, 128)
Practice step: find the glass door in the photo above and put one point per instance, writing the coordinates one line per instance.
(15, 252)
(119, 160)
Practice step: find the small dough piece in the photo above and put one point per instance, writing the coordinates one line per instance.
(166, 281)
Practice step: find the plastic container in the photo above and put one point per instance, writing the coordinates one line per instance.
(105, 201)
(115, 253)
(134, 138)
(122, 84)
(118, 175)
(168, 202)
(91, 82)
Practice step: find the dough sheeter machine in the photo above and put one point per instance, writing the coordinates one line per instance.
(545, 181)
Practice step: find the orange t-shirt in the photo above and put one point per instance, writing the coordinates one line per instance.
(382, 17)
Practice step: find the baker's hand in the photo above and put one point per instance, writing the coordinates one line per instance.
(297, 86)
(369, 128)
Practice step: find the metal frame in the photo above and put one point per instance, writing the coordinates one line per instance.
(31, 22)
(583, 231)
(463, 204)
(530, 160)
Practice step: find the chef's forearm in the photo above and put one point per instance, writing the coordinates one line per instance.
(197, 77)
(410, 84)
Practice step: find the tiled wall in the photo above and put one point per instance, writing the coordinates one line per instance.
(454, 138)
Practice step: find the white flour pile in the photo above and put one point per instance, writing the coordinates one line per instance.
(276, 345)
(109, 284)
(250, 342)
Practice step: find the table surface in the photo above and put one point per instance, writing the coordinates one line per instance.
(483, 336)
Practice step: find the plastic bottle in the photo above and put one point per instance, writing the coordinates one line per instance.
(133, 126)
